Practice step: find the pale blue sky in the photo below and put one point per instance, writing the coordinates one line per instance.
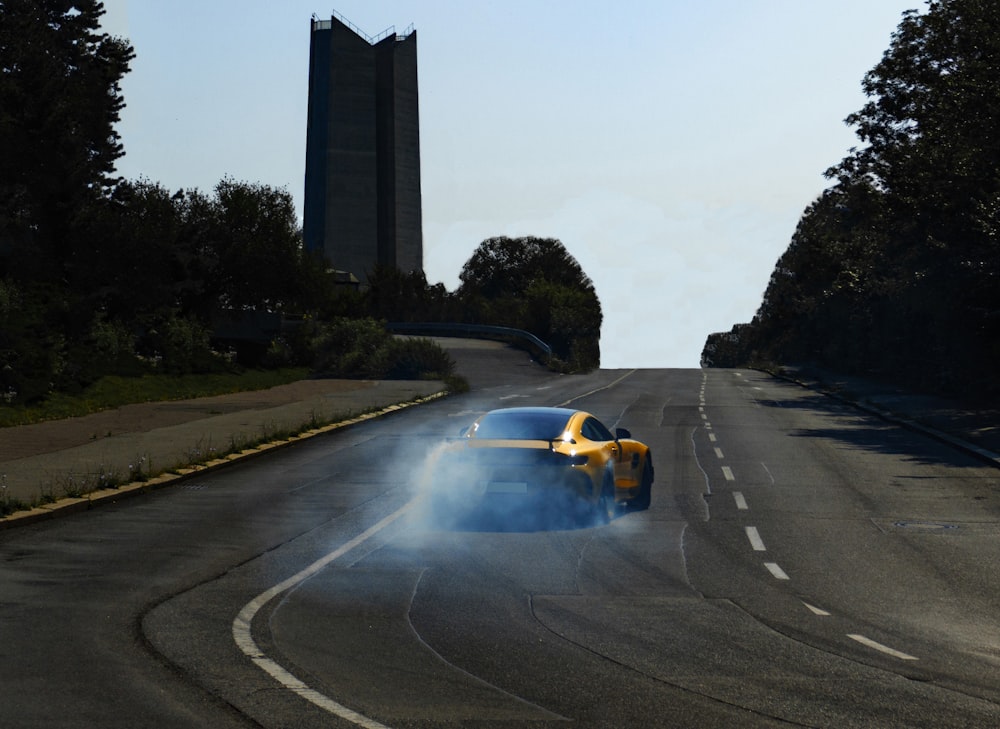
(671, 146)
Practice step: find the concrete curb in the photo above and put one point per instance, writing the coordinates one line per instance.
(93, 499)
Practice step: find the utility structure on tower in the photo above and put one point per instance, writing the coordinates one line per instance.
(362, 186)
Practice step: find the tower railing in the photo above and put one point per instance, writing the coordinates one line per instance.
(318, 24)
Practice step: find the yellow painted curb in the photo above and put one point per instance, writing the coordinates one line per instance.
(73, 505)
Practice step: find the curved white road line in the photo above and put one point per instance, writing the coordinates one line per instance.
(243, 636)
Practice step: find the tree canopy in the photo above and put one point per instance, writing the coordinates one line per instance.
(894, 270)
(60, 98)
(534, 284)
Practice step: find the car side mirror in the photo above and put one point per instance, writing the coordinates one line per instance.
(622, 433)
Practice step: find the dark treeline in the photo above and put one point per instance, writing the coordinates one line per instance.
(99, 275)
(526, 283)
(893, 271)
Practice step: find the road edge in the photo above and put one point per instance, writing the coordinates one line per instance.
(73, 505)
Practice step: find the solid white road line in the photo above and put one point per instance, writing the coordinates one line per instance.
(599, 389)
(728, 473)
(776, 571)
(755, 541)
(741, 502)
(244, 639)
(882, 648)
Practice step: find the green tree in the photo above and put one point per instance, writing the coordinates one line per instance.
(60, 98)
(932, 135)
(818, 301)
(896, 268)
(505, 266)
(135, 250)
(534, 284)
(257, 248)
(404, 296)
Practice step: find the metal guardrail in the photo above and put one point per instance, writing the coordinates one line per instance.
(474, 331)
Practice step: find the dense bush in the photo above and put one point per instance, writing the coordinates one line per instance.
(363, 348)
(414, 359)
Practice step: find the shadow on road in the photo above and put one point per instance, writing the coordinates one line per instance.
(869, 432)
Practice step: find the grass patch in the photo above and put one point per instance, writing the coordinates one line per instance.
(114, 391)
(141, 468)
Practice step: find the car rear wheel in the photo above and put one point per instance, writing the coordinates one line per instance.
(607, 509)
(642, 499)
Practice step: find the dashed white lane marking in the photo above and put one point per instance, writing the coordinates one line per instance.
(741, 502)
(244, 639)
(728, 473)
(816, 611)
(776, 571)
(711, 437)
(882, 648)
(704, 416)
(718, 453)
(755, 541)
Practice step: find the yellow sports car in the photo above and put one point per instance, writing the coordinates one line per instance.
(531, 456)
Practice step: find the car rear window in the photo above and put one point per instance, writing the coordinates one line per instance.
(521, 425)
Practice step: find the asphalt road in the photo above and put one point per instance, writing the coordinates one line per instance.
(802, 564)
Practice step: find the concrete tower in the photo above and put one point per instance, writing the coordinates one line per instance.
(362, 194)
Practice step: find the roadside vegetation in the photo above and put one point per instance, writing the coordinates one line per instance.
(894, 272)
(141, 470)
(115, 290)
(527, 283)
(112, 391)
